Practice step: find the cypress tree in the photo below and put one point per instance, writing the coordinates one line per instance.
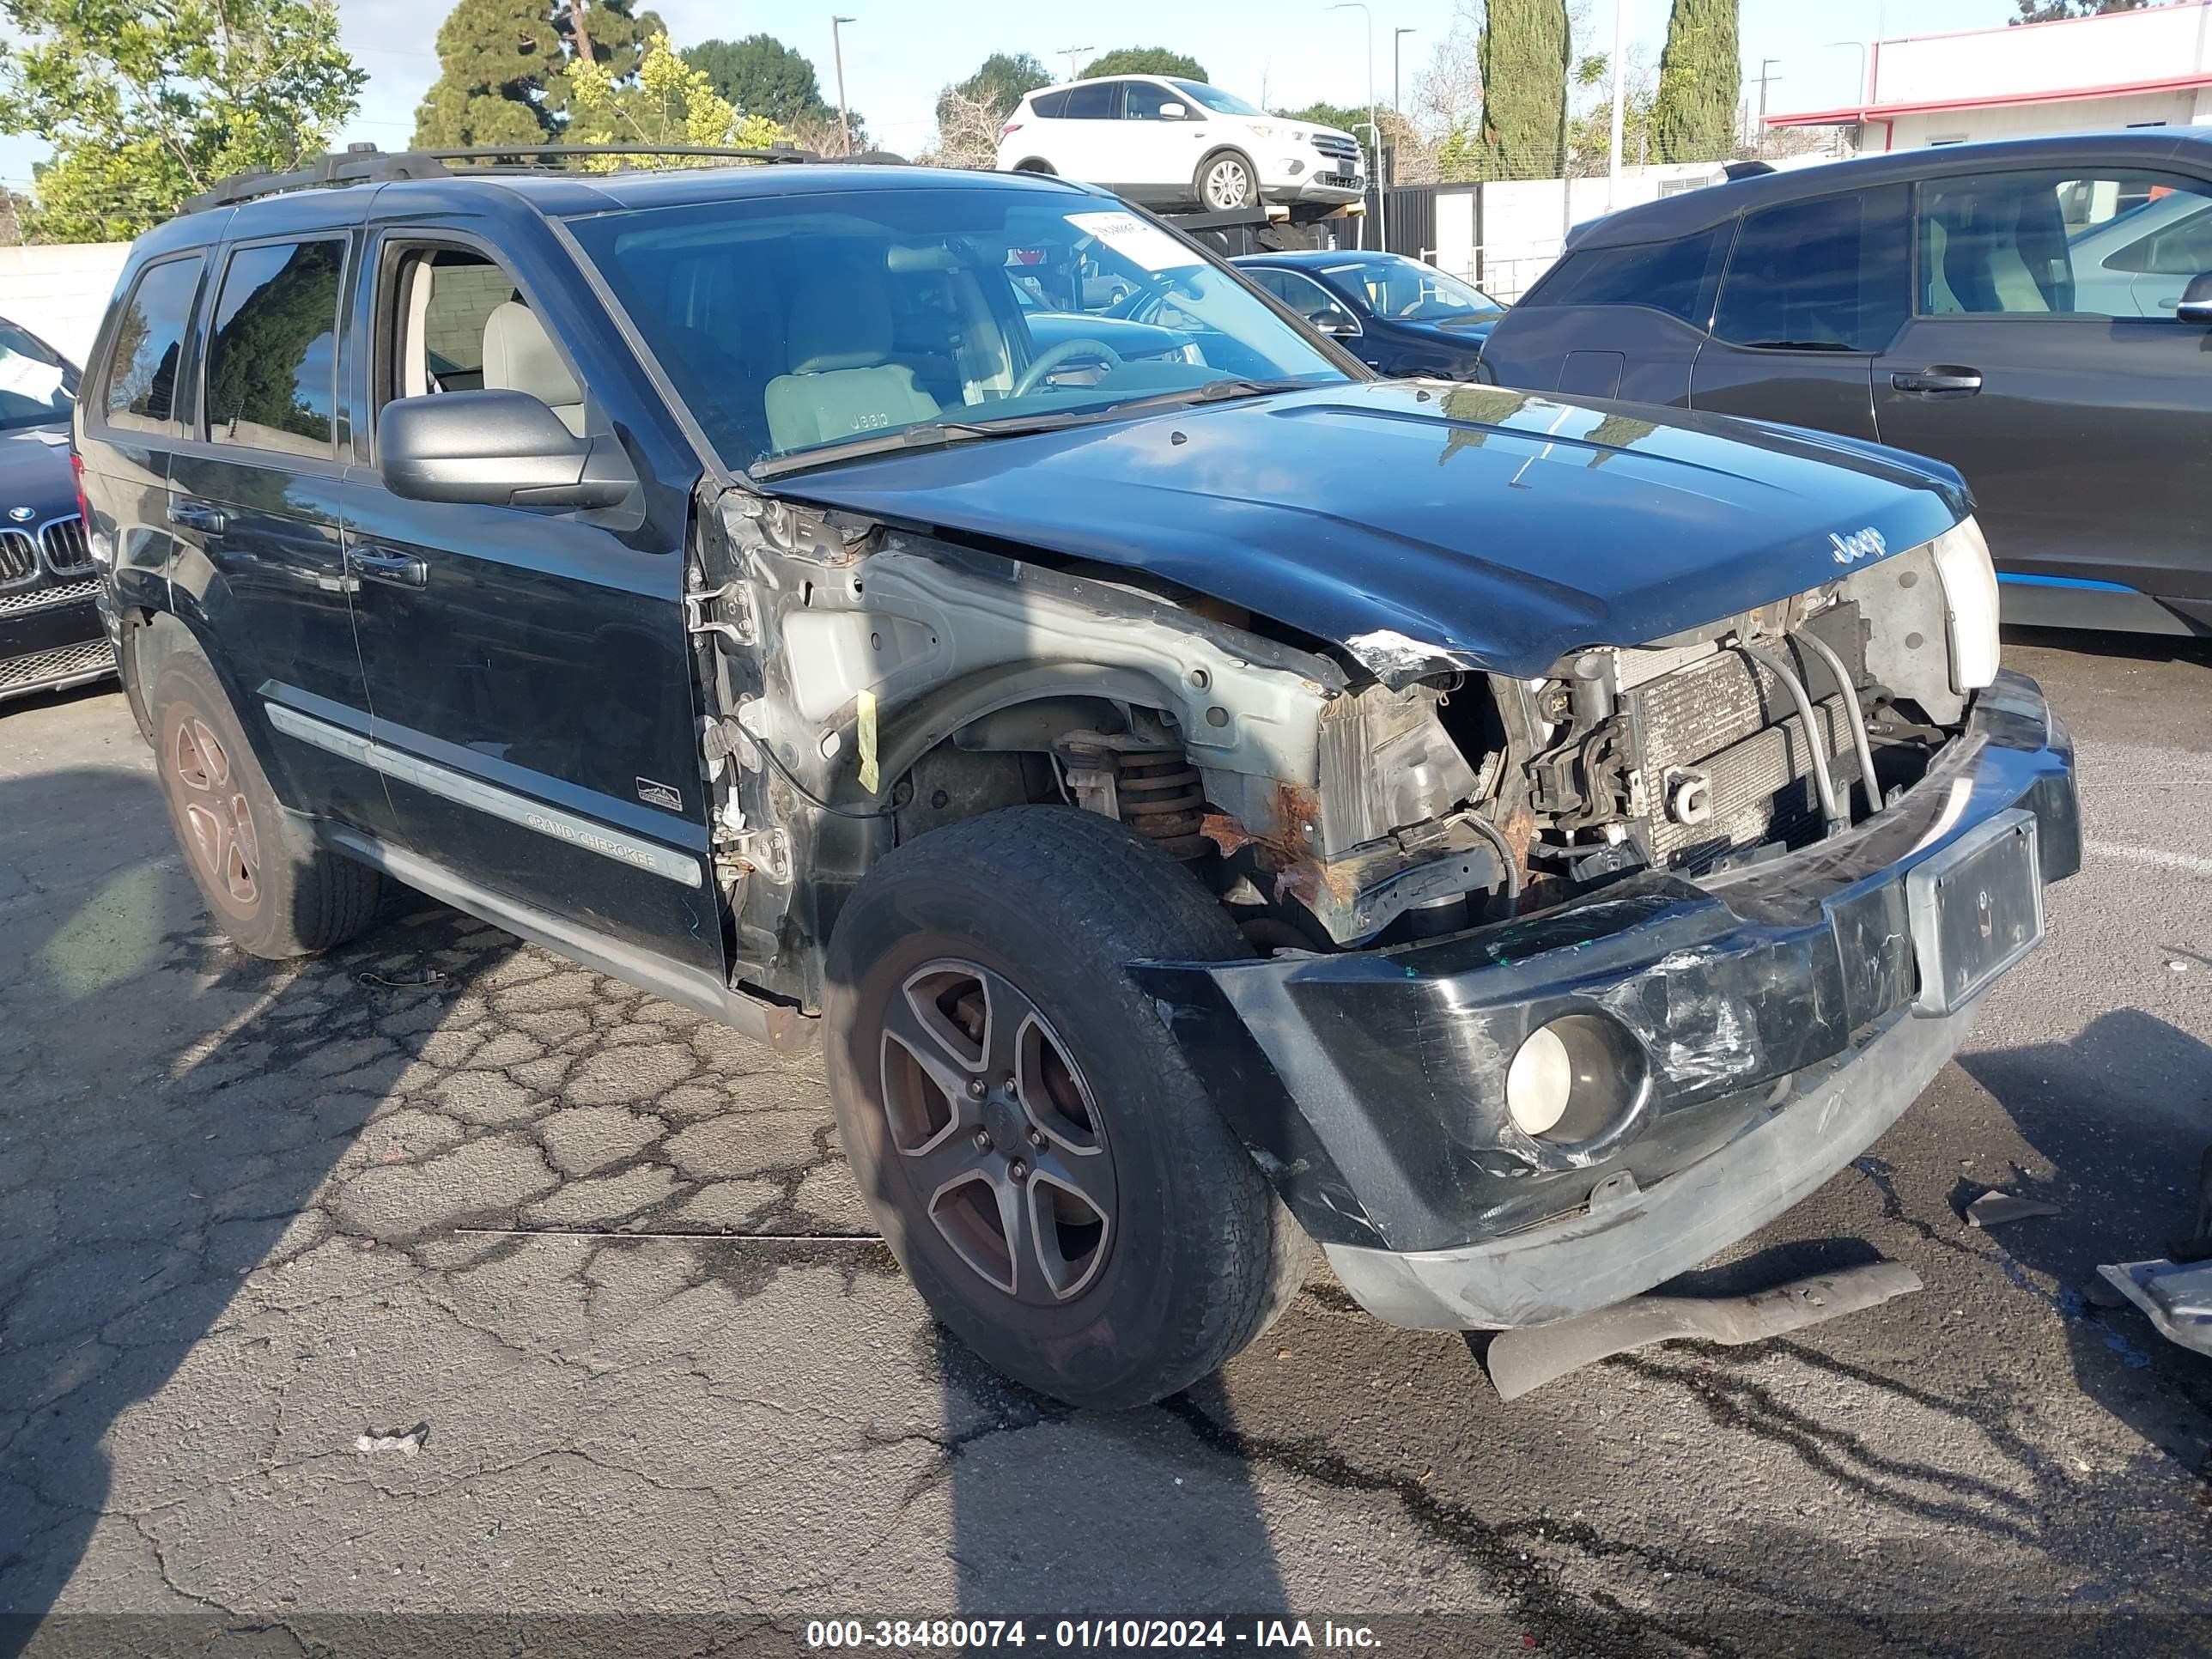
(1523, 53)
(1700, 75)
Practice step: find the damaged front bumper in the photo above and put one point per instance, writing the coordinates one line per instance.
(1778, 1017)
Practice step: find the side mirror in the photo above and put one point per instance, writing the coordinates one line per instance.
(2195, 305)
(1337, 324)
(1171, 112)
(495, 449)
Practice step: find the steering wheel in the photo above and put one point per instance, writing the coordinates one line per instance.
(1033, 376)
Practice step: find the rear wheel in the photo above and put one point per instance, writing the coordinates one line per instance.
(1041, 1158)
(268, 885)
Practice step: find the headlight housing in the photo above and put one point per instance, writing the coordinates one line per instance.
(1970, 604)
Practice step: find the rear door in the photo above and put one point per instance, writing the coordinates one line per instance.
(2080, 424)
(528, 669)
(1086, 134)
(256, 505)
(1813, 290)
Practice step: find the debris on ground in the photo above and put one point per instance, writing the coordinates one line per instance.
(2174, 1295)
(406, 1442)
(429, 976)
(1994, 1208)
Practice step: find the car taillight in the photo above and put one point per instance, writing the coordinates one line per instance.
(1010, 129)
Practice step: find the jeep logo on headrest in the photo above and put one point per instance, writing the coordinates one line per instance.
(1859, 544)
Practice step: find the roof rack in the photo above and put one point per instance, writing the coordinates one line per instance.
(365, 164)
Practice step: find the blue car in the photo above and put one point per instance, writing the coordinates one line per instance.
(1398, 316)
(51, 634)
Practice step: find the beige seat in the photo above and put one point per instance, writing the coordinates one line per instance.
(842, 382)
(518, 356)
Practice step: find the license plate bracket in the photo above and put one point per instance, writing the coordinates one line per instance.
(1976, 909)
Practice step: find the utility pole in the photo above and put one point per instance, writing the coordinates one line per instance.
(1072, 54)
(1619, 81)
(837, 52)
(1758, 131)
(1396, 35)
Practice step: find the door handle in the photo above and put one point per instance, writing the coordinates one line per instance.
(1943, 380)
(189, 515)
(387, 565)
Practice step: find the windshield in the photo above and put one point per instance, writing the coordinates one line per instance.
(1408, 291)
(805, 324)
(1213, 98)
(37, 386)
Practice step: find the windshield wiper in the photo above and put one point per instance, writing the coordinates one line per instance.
(932, 434)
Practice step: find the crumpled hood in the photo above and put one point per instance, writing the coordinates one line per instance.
(1422, 527)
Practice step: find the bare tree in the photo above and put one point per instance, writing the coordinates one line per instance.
(1448, 93)
(967, 131)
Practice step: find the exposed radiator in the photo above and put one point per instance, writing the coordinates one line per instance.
(1737, 725)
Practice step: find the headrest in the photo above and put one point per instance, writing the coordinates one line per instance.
(841, 319)
(518, 357)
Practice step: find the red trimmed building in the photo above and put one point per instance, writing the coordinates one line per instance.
(2131, 69)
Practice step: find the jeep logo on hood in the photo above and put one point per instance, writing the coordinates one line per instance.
(1859, 544)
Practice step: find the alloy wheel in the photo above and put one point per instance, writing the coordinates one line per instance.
(1226, 184)
(218, 822)
(998, 1132)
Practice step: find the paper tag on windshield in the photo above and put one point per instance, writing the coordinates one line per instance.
(1141, 243)
(26, 377)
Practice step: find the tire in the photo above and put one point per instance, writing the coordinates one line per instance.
(1114, 1242)
(266, 882)
(1225, 182)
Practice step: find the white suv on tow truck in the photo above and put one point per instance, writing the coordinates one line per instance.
(1168, 143)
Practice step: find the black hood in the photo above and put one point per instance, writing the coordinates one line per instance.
(35, 473)
(1420, 527)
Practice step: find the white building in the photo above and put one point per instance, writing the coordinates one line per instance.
(2151, 68)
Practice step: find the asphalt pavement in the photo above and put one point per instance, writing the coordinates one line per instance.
(348, 1301)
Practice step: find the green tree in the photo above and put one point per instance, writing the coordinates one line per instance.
(1700, 75)
(665, 102)
(1146, 60)
(146, 103)
(2057, 11)
(494, 58)
(998, 84)
(761, 76)
(1345, 117)
(618, 38)
(1524, 55)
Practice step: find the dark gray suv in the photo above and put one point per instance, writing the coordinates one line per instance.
(2036, 313)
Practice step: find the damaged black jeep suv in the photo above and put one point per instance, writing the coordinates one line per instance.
(1200, 797)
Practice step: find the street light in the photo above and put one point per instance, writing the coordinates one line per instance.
(1374, 132)
(1396, 35)
(837, 51)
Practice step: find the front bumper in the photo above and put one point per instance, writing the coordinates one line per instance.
(1774, 1006)
(51, 638)
(1309, 187)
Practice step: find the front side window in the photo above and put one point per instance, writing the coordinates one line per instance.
(461, 324)
(1143, 101)
(2122, 244)
(1676, 277)
(1824, 275)
(272, 355)
(1409, 291)
(140, 395)
(37, 388)
(791, 324)
(1310, 300)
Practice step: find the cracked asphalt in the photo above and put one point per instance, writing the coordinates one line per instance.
(606, 1259)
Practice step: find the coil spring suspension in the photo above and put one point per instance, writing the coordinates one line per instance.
(1150, 785)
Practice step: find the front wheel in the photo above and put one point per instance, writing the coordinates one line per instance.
(1039, 1156)
(1225, 184)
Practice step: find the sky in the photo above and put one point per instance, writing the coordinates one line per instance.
(899, 53)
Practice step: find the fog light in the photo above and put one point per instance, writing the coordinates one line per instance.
(1577, 1080)
(1539, 1083)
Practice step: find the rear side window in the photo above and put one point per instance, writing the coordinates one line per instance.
(1048, 106)
(140, 393)
(1676, 277)
(272, 359)
(1099, 101)
(1832, 274)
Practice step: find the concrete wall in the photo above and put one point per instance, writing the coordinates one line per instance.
(2159, 43)
(1524, 222)
(60, 292)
